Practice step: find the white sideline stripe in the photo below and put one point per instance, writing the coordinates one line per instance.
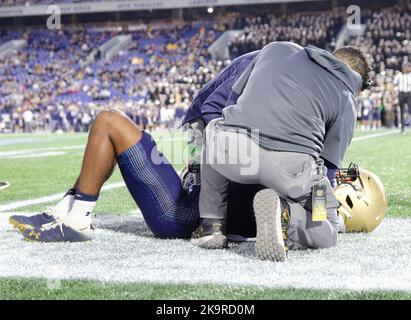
(53, 197)
(30, 151)
(376, 135)
(35, 155)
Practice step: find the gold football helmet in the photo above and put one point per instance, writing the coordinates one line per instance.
(363, 201)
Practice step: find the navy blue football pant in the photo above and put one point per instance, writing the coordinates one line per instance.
(168, 209)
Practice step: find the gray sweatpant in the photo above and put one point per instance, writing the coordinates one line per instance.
(229, 155)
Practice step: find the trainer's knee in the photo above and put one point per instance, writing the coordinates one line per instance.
(323, 237)
(326, 242)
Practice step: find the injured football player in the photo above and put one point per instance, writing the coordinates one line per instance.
(169, 205)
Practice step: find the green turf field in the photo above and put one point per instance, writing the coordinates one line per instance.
(40, 165)
(36, 289)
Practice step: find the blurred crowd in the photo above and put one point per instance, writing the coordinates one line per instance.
(387, 43)
(318, 29)
(51, 84)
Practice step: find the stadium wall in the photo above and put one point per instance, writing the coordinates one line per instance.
(112, 6)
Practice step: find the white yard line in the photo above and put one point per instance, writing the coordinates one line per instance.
(53, 197)
(38, 153)
(376, 135)
(53, 151)
(35, 155)
(30, 151)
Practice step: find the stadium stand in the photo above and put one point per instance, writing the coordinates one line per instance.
(387, 42)
(47, 84)
(318, 29)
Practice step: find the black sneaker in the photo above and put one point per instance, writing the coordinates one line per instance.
(210, 234)
(272, 218)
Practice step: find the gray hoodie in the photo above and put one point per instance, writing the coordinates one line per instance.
(300, 100)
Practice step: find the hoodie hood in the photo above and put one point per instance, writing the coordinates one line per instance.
(338, 68)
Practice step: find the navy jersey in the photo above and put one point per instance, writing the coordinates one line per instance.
(218, 93)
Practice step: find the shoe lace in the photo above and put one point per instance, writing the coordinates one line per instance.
(49, 212)
(52, 225)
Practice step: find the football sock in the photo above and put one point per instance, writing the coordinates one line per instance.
(71, 192)
(62, 208)
(79, 216)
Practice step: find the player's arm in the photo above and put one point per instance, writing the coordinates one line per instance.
(195, 110)
(224, 95)
(208, 97)
(211, 97)
(210, 109)
(208, 105)
(213, 106)
(331, 172)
